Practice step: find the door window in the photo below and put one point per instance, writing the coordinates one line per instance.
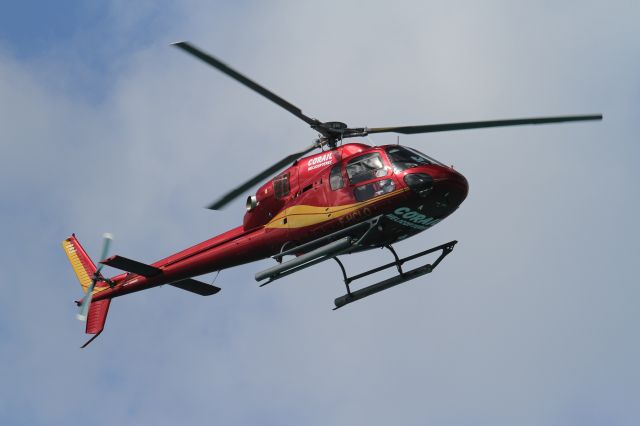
(366, 167)
(335, 178)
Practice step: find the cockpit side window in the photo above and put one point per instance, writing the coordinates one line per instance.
(365, 167)
(404, 158)
(281, 185)
(335, 178)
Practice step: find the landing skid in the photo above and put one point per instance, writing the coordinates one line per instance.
(402, 276)
(356, 238)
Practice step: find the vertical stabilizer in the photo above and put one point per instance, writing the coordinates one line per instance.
(86, 271)
(81, 263)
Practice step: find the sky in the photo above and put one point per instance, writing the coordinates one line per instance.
(106, 128)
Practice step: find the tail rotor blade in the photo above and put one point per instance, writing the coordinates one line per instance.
(86, 300)
(106, 243)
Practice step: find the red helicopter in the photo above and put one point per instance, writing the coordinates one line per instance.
(349, 197)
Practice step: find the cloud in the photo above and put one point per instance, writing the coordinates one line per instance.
(530, 321)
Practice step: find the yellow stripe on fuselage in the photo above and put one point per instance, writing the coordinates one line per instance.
(304, 215)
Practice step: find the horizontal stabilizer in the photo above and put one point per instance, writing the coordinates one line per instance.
(197, 287)
(133, 266)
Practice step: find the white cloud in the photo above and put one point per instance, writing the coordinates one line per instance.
(530, 321)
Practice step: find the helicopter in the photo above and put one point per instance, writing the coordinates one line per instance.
(346, 198)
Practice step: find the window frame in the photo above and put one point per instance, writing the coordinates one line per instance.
(384, 167)
(281, 186)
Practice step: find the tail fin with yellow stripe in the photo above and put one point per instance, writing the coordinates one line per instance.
(85, 271)
(80, 261)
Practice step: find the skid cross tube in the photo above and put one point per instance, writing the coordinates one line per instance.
(402, 277)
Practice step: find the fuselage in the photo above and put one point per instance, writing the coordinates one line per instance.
(316, 196)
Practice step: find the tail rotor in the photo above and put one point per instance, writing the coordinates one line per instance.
(86, 300)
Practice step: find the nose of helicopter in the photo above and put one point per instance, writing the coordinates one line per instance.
(442, 187)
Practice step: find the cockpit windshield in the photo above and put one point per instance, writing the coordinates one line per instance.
(404, 158)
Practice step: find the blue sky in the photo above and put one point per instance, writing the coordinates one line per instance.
(104, 127)
(86, 42)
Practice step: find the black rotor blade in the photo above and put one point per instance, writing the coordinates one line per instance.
(234, 193)
(189, 48)
(429, 128)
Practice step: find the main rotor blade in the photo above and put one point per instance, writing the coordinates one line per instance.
(429, 128)
(233, 194)
(189, 48)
